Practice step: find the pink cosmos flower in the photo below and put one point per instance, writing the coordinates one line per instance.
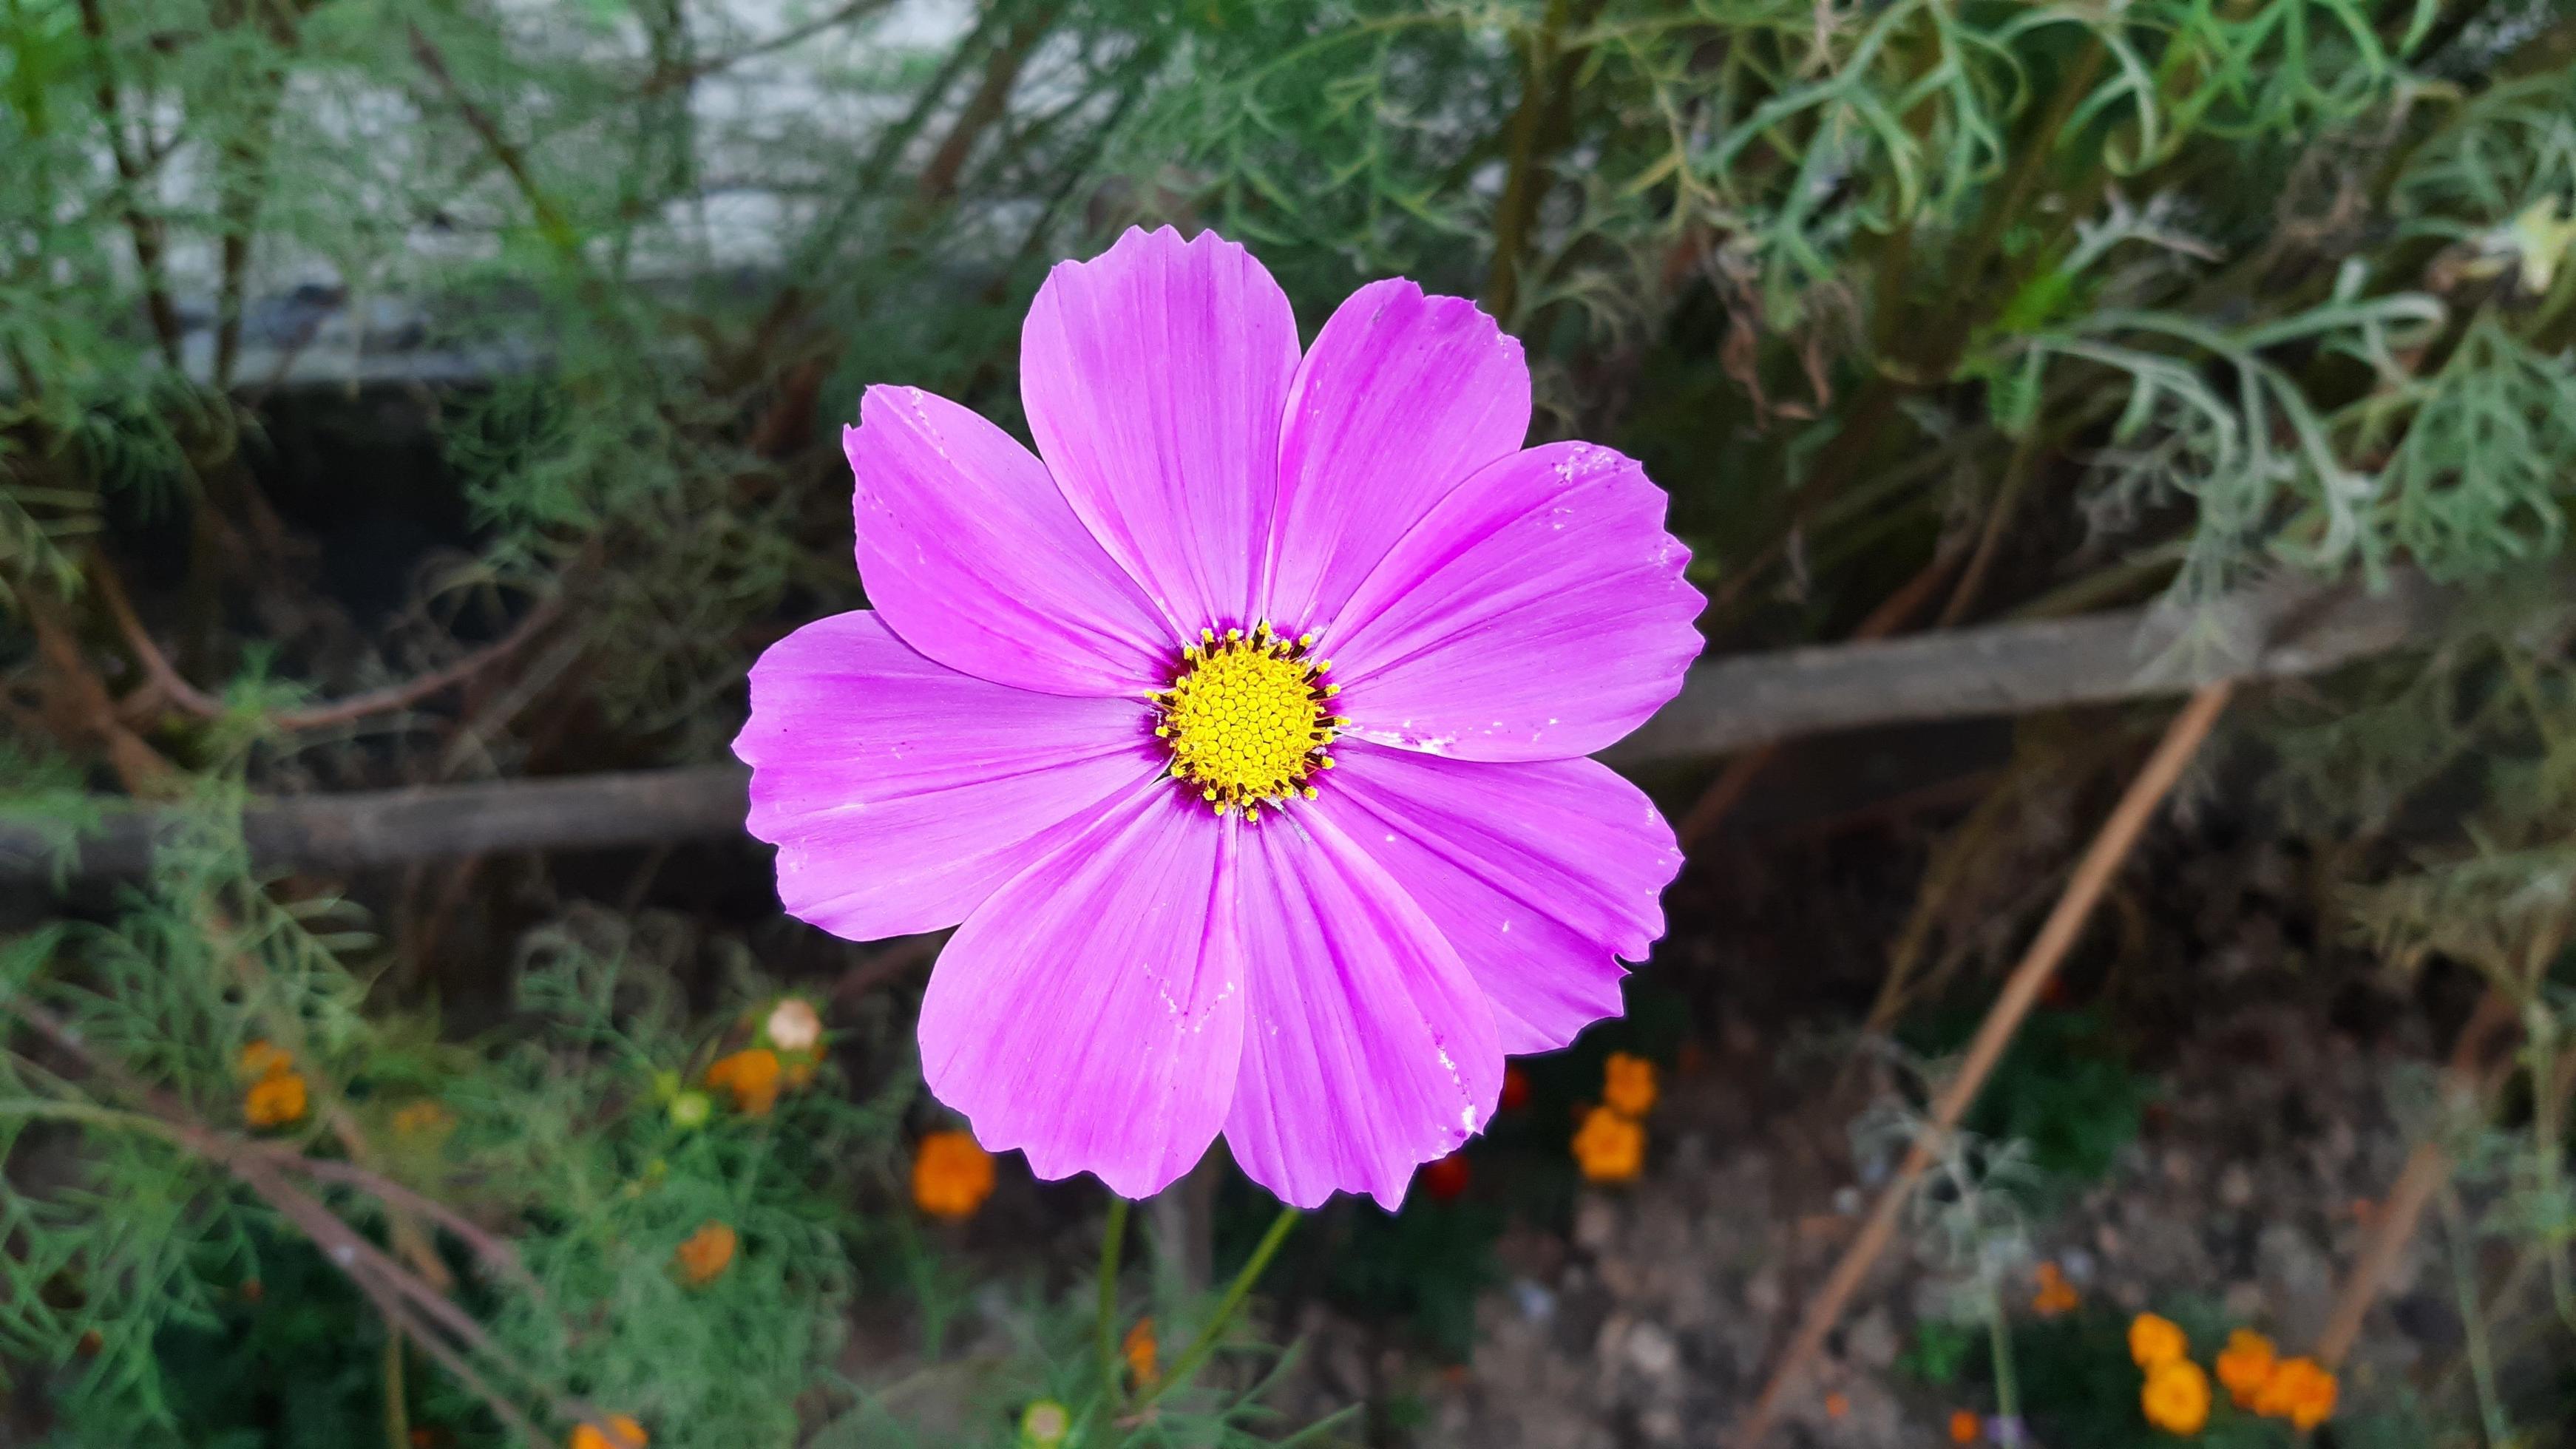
(1243, 728)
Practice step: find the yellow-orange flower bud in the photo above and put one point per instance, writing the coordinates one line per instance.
(1628, 1084)
(952, 1174)
(1610, 1146)
(751, 1076)
(2176, 1397)
(706, 1253)
(2246, 1365)
(2154, 1340)
(628, 1435)
(274, 1100)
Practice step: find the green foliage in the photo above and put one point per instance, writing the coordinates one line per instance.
(2065, 1089)
(1941, 1351)
(2168, 286)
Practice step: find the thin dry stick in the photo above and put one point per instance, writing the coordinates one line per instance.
(2427, 1169)
(2092, 874)
(174, 687)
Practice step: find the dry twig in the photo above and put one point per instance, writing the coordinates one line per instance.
(2056, 936)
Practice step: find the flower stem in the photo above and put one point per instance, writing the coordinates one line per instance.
(1112, 1238)
(2464, 1281)
(2007, 1389)
(1205, 1344)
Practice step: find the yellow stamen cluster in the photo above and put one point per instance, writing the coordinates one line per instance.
(1246, 718)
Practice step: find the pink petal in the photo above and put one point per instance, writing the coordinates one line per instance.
(970, 554)
(900, 792)
(1367, 1048)
(1155, 376)
(1091, 1012)
(1537, 613)
(1399, 400)
(1542, 875)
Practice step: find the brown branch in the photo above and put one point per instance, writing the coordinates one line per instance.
(2427, 1170)
(671, 77)
(556, 227)
(171, 687)
(489, 1249)
(2021, 991)
(2287, 628)
(1546, 104)
(1725, 705)
(2017, 475)
(990, 101)
(145, 228)
(77, 705)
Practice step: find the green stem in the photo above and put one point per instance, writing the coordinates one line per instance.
(1205, 1344)
(2464, 1281)
(397, 1411)
(1112, 1239)
(2007, 1388)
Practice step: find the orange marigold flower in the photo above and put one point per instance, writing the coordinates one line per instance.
(1138, 1348)
(706, 1254)
(629, 1435)
(2246, 1365)
(952, 1174)
(1628, 1084)
(1516, 1089)
(264, 1058)
(1837, 1405)
(2176, 1396)
(1610, 1147)
(1964, 1426)
(2300, 1390)
(2055, 1295)
(2154, 1341)
(274, 1100)
(751, 1076)
(794, 1025)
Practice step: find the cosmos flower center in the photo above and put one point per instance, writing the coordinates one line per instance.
(1246, 718)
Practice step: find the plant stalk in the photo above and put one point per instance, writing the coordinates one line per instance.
(1206, 1342)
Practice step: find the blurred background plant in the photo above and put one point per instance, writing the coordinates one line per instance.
(420, 392)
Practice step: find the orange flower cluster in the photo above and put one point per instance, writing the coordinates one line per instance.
(751, 1076)
(2155, 1341)
(1139, 1349)
(2176, 1396)
(276, 1095)
(1610, 1146)
(2300, 1390)
(1628, 1085)
(706, 1254)
(2055, 1295)
(629, 1435)
(2246, 1366)
(952, 1174)
(1965, 1426)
